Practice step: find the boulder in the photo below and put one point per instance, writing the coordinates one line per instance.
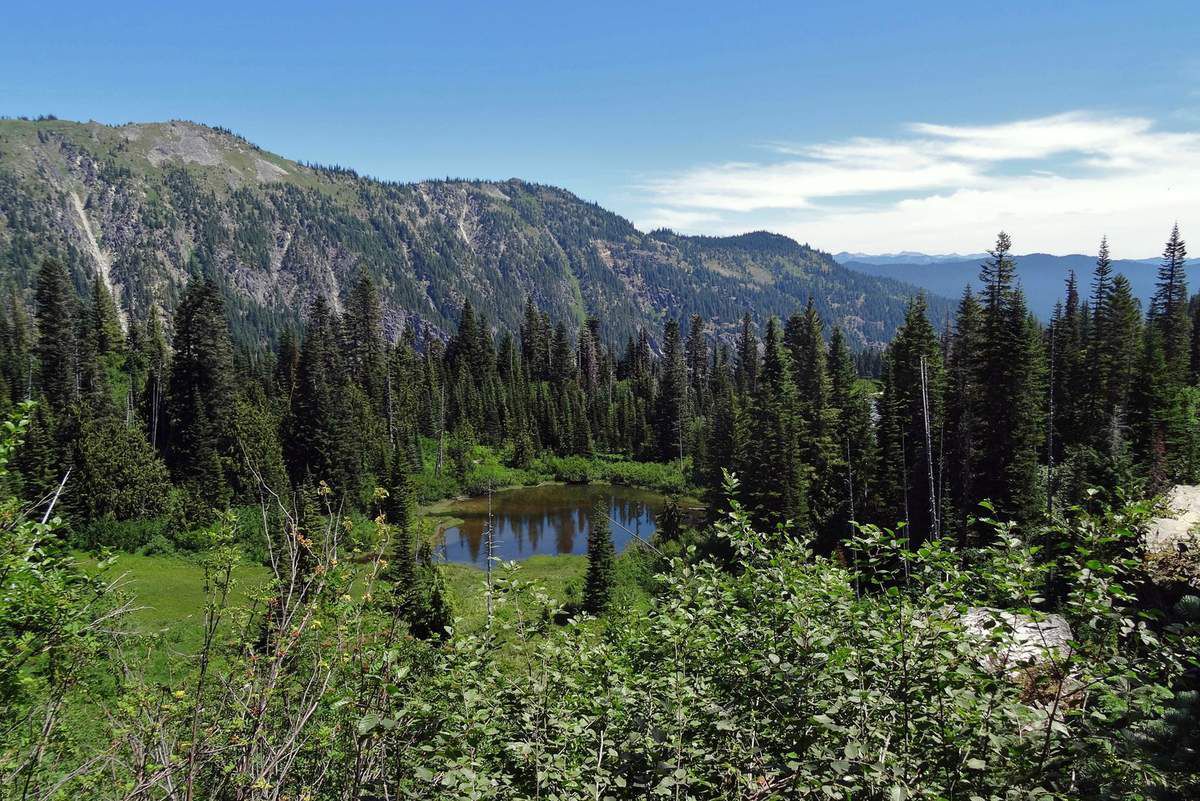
(1021, 642)
(1172, 542)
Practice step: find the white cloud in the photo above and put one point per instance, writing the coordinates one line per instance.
(1056, 183)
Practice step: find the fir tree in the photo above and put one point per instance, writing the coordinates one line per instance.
(964, 411)
(55, 347)
(1169, 310)
(773, 480)
(747, 358)
(200, 400)
(910, 426)
(1008, 365)
(697, 363)
(601, 556)
(854, 437)
(401, 570)
(155, 354)
(671, 398)
(804, 336)
(363, 332)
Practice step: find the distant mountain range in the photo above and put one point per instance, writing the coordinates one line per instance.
(904, 257)
(1042, 275)
(148, 206)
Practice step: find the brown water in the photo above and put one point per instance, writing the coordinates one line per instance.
(550, 519)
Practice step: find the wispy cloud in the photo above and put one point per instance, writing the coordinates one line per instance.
(1057, 183)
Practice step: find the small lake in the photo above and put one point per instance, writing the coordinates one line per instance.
(551, 519)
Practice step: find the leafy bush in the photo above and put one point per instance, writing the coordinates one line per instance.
(793, 675)
(123, 535)
(571, 469)
(158, 546)
(482, 477)
(428, 487)
(666, 478)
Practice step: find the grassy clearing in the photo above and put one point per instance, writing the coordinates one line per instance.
(168, 598)
(168, 594)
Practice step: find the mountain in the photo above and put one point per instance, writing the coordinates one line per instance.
(148, 206)
(1042, 275)
(904, 257)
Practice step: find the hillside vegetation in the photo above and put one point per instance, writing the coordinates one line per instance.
(150, 205)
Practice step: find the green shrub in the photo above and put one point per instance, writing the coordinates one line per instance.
(158, 546)
(665, 478)
(428, 487)
(571, 469)
(122, 535)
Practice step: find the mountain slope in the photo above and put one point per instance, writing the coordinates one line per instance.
(146, 206)
(1042, 276)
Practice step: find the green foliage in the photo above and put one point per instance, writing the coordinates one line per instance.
(877, 684)
(597, 588)
(53, 631)
(200, 401)
(116, 475)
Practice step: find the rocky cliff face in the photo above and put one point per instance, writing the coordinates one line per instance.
(148, 206)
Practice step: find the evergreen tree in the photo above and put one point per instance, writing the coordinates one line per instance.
(433, 616)
(1169, 310)
(726, 428)
(911, 424)
(854, 437)
(18, 364)
(1119, 347)
(804, 337)
(747, 358)
(101, 352)
(330, 431)
(1099, 368)
(116, 475)
(597, 589)
(200, 401)
(671, 399)
(1009, 366)
(365, 349)
(287, 365)
(401, 570)
(964, 411)
(697, 363)
(55, 347)
(773, 479)
(155, 354)
(104, 321)
(1070, 424)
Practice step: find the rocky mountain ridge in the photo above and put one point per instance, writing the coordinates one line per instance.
(150, 206)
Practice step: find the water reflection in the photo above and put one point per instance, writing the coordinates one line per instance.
(551, 519)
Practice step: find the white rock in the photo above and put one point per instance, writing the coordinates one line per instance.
(1176, 533)
(1021, 641)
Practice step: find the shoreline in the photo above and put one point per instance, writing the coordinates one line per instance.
(439, 513)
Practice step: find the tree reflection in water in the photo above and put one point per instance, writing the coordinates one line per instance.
(551, 519)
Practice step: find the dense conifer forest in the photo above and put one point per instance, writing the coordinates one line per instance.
(816, 633)
(993, 407)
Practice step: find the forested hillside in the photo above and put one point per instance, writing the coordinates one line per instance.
(935, 589)
(920, 571)
(150, 206)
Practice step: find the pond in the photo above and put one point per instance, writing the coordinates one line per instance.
(549, 519)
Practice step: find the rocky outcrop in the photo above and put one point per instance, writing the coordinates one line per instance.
(1018, 641)
(151, 205)
(1172, 542)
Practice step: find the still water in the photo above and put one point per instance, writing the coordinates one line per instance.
(551, 519)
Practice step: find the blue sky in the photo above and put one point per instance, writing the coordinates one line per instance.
(858, 126)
